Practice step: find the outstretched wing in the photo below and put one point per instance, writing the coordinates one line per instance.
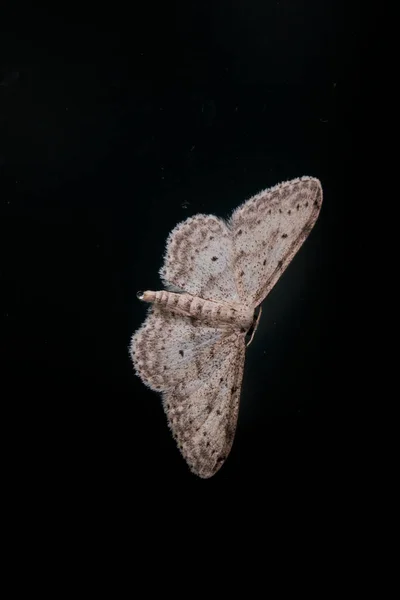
(199, 371)
(268, 230)
(199, 259)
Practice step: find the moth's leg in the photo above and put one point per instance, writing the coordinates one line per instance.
(255, 326)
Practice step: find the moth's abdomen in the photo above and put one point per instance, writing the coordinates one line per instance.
(208, 311)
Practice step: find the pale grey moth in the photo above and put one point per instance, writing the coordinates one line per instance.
(191, 347)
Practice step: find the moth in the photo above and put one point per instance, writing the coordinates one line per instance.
(191, 346)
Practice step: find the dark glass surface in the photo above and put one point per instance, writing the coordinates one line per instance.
(117, 124)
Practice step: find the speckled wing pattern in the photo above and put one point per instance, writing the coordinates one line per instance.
(199, 259)
(268, 230)
(198, 365)
(199, 370)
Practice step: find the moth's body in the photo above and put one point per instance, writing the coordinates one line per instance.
(232, 316)
(191, 347)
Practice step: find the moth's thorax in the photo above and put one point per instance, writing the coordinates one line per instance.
(213, 312)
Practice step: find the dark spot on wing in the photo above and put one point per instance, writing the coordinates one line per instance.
(264, 262)
(181, 352)
(284, 235)
(289, 212)
(214, 258)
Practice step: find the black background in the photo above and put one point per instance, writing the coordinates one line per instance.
(116, 124)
